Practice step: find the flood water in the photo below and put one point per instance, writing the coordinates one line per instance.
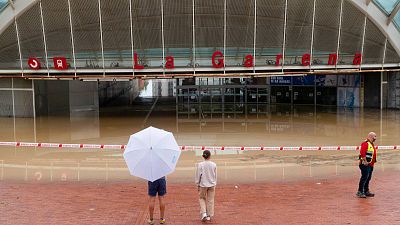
(258, 125)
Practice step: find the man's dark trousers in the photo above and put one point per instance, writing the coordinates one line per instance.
(366, 174)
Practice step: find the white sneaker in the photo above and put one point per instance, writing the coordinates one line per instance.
(208, 218)
(204, 217)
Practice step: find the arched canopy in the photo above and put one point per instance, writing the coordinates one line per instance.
(113, 35)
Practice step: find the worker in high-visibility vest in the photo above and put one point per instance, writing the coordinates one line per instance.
(367, 159)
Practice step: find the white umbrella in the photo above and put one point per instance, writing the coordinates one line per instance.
(151, 153)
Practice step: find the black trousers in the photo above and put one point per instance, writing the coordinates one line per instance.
(366, 174)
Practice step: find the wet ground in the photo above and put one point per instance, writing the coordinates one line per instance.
(313, 201)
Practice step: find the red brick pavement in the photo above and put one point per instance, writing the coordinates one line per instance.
(328, 201)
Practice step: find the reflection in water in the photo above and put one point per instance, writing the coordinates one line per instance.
(255, 125)
(248, 167)
(148, 89)
(195, 124)
(273, 125)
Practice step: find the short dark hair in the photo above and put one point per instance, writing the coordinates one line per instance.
(206, 154)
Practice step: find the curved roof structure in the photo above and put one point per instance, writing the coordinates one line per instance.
(128, 37)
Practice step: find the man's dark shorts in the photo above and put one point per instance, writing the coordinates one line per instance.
(158, 187)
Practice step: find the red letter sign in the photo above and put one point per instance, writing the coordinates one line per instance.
(332, 59)
(248, 62)
(305, 60)
(34, 63)
(220, 63)
(278, 59)
(169, 62)
(135, 62)
(357, 59)
(60, 63)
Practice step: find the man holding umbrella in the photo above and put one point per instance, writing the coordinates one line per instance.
(152, 154)
(159, 187)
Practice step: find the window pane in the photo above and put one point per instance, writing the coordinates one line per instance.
(3, 4)
(386, 5)
(397, 20)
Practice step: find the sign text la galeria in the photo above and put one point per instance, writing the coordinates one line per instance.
(217, 60)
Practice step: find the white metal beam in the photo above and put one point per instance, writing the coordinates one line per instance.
(254, 36)
(339, 33)
(72, 35)
(363, 40)
(224, 35)
(312, 35)
(44, 38)
(284, 36)
(19, 44)
(162, 36)
(101, 38)
(131, 29)
(193, 38)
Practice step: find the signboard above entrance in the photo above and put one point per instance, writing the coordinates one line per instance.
(217, 61)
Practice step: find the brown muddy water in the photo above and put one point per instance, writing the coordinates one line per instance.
(267, 125)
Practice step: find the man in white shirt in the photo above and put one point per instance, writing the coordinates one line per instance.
(206, 180)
